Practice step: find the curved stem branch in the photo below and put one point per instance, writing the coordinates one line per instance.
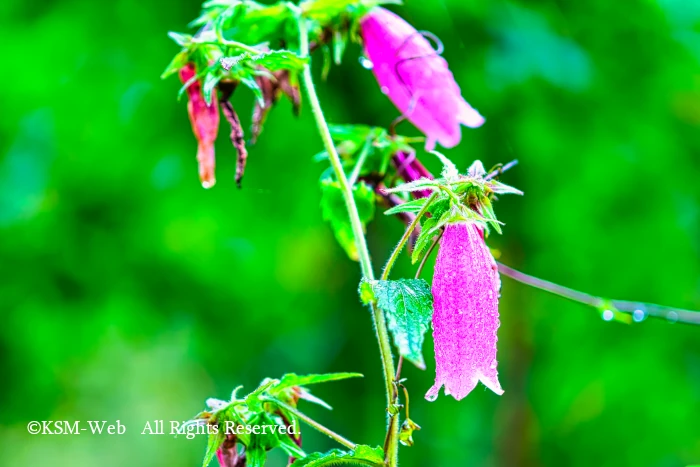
(638, 310)
(313, 423)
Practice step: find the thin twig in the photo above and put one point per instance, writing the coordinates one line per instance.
(638, 310)
(313, 423)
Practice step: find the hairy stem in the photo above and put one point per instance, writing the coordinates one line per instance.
(362, 250)
(313, 423)
(638, 310)
(406, 236)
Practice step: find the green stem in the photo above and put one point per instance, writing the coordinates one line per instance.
(406, 236)
(313, 423)
(638, 310)
(362, 250)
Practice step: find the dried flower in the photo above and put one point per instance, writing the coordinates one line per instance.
(416, 78)
(205, 125)
(465, 289)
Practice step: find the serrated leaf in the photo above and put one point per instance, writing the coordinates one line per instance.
(361, 455)
(335, 211)
(410, 206)
(408, 306)
(292, 379)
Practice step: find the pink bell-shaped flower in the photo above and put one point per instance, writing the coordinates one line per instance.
(416, 79)
(465, 290)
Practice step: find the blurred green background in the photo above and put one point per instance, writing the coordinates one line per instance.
(128, 292)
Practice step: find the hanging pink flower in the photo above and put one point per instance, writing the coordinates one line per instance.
(465, 292)
(205, 125)
(416, 79)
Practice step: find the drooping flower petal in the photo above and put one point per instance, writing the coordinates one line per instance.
(205, 125)
(465, 289)
(416, 79)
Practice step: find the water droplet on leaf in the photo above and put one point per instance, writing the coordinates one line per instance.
(608, 315)
(638, 316)
(672, 317)
(366, 63)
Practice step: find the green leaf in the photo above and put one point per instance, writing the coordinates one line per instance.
(273, 60)
(362, 455)
(179, 61)
(335, 211)
(291, 379)
(210, 82)
(340, 41)
(366, 293)
(213, 444)
(408, 306)
(409, 206)
(429, 229)
(290, 447)
(181, 39)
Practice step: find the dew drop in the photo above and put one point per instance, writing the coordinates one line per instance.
(431, 397)
(608, 315)
(672, 317)
(366, 63)
(638, 316)
(385, 90)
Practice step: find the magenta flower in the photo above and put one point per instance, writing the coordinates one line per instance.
(465, 292)
(416, 79)
(205, 125)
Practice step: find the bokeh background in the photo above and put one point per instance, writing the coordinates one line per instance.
(128, 292)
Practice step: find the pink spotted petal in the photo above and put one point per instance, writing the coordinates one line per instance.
(465, 289)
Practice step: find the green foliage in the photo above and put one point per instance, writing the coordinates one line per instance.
(335, 211)
(291, 379)
(459, 198)
(372, 147)
(273, 60)
(361, 455)
(408, 307)
(267, 405)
